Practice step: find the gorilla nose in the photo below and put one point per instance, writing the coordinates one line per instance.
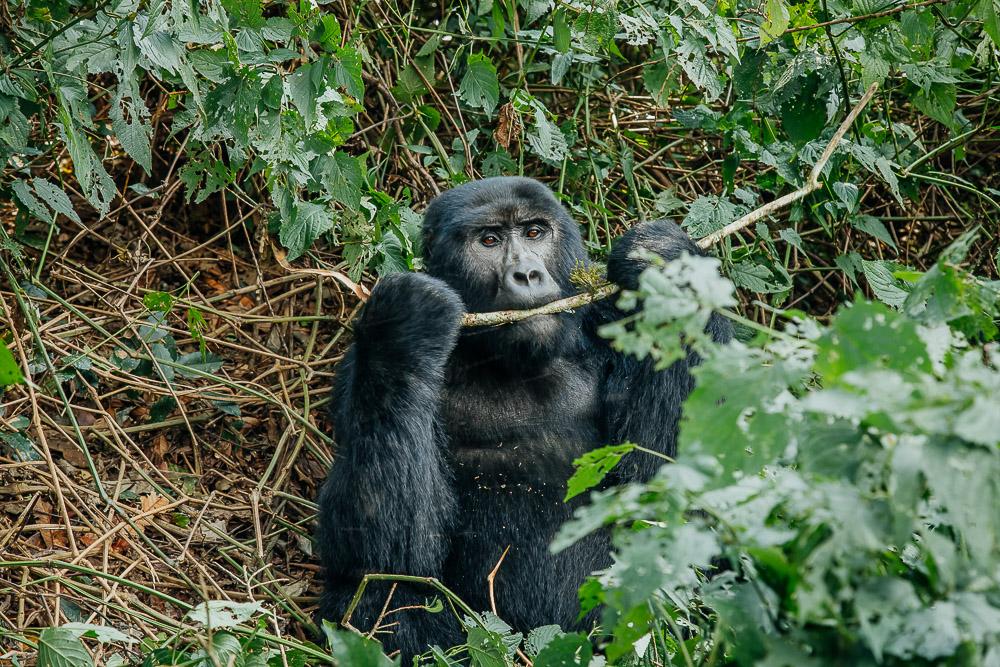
(527, 278)
(526, 284)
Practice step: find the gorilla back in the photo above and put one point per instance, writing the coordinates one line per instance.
(454, 447)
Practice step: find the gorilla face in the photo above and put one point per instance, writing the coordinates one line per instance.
(504, 243)
(509, 257)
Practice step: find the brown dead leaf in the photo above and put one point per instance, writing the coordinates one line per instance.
(160, 448)
(508, 126)
(215, 285)
(151, 504)
(84, 417)
(70, 451)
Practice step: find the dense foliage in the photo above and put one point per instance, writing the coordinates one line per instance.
(835, 481)
(272, 102)
(835, 500)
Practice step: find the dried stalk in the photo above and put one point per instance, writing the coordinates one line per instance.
(812, 184)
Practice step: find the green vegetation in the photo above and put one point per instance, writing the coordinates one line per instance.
(193, 196)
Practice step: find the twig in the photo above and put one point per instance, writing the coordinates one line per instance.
(812, 184)
(491, 578)
(562, 305)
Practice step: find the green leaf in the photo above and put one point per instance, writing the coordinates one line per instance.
(871, 225)
(699, 67)
(352, 649)
(597, 27)
(938, 102)
(327, 33)
(754, 277)
(592, 467)
(29, 201)
(97, 184)
(10, 371)
(162, 409)
(162, 50)
(988, 12)
(775, 21)
(161, 301)
(347, 72)
(343, 179)
(223, 613)
(709, 214)
(804, 115)
(104, 634)
(58, 647)
(848, 194)
(874, 68)
(883, 284)
(21, 448)
(308, 222)
(869, 335)
(737, 414)
(56, 198)
(656, 79)
(226, 650)
(132, 131)
(560, 31)
(546, 139)
(540, 637)
(479, 86)
(569, 650)
(196, 361)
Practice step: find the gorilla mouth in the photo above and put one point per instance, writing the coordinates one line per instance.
(505, 300)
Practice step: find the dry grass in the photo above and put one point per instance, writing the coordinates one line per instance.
(180, 504)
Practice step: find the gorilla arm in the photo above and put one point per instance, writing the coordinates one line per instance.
(388, 501)
(643, 405)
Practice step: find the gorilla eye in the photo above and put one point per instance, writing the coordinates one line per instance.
(533, 232)
(490, 240)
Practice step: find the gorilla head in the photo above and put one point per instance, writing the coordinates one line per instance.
(504, 243)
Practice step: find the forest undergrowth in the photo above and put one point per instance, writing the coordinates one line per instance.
(196, 198)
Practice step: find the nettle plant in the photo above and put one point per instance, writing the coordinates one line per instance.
(834, 501)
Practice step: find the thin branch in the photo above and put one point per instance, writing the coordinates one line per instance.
(560, 306)
(812, 184)
(897, 9)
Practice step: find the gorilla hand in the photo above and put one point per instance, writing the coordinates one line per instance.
(411, 322)
(662, 237)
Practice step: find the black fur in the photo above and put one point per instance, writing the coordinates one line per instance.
(454, 446)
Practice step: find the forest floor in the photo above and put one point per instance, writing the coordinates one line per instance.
(169, 479)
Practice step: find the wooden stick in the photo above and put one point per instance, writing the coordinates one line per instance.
(551, 308)
(812, 184)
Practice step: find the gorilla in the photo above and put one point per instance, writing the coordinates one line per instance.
(454, 446)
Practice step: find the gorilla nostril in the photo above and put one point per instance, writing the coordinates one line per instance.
(535, 276)
(523, 279)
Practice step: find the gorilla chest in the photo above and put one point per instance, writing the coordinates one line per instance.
(527, 427)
